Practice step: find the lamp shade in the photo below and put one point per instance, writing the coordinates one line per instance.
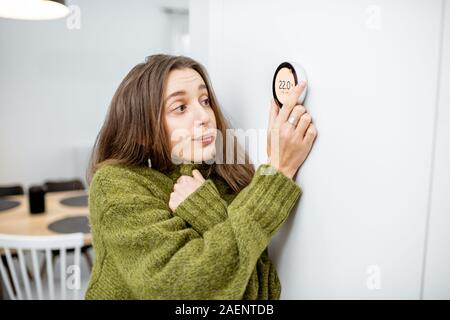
(33, 9)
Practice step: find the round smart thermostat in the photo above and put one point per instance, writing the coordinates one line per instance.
(287, 75)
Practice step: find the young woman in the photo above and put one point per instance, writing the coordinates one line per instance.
(167, 220)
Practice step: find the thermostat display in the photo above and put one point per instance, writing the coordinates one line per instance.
(285, 78)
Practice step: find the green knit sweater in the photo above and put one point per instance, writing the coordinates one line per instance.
(213, 246)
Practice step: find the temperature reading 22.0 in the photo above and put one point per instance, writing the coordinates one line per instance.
(286, 76)
(286, 85)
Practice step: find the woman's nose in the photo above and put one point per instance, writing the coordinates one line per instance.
(202, 114)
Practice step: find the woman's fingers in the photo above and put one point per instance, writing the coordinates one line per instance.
(289, 104)
(303, 124)
(274, 110)
(174, 201)
(297, 112)
(197, 175)
(311, 134)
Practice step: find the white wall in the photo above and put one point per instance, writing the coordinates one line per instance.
(437, 263)
(56, 83)
(373, 76)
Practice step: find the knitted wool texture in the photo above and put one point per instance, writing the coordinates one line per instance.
(213, 246)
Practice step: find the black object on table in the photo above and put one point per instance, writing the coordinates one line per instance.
(36, 195)
(8, 204)
(78, 201)
(71, 225)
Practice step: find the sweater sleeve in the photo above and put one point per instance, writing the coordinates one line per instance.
(204, 208)
(160, 257)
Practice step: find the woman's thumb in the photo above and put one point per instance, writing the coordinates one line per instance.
(197, 175)
(274, 110)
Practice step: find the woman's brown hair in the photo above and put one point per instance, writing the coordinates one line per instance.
(134, 128)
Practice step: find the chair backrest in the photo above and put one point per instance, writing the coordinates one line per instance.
(11, 190)
(17, 246)
(63, 185)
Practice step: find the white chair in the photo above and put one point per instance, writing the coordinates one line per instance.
(36, 245)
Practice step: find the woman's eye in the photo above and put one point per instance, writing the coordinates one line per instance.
(180, 107)
(206, 101)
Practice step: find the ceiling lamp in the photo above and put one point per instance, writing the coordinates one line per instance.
(33, 9)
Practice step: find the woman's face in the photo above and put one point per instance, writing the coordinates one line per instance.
(189, 116)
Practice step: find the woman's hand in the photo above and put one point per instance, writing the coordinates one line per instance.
(184, 187)
(288, 144)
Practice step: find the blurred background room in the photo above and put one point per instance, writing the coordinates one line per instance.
(57, 79)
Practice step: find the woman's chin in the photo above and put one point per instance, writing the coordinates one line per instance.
(205, 154)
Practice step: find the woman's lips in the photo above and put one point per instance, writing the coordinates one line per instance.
(205, 140)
